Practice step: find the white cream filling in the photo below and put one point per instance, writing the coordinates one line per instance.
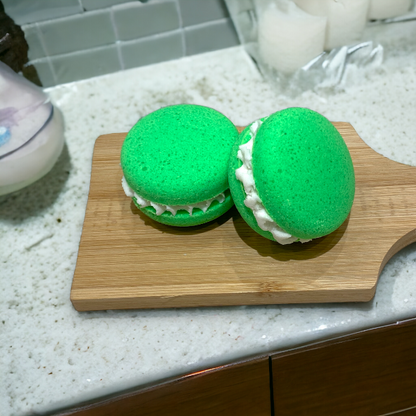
(173, 209)
(245, 175)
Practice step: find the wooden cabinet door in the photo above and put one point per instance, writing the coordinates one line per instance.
(237, 389)
(368, 373)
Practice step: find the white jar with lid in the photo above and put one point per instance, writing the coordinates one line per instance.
(31, 132)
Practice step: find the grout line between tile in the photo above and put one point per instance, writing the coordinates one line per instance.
(84, 51)
(113, 22)
(210, 23)
(42, 40)
(178, 9)
(120, 56)
(52, 68)
(151, 37)
(47, 55)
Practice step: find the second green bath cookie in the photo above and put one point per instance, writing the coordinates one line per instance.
(175, 163)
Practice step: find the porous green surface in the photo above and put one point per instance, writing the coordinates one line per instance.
(303, 172)
(178, 155)
(184, 219)
(237, 188)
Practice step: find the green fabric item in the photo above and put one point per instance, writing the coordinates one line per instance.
(178, 155)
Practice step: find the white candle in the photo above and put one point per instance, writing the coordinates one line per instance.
(346, 19)
(384, 9)
(288, 37)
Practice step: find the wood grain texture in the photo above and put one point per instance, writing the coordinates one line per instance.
(126, 260)
(367, 373)
(234, 389)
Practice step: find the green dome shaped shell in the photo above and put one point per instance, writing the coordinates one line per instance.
(303, 173)
(178, 155)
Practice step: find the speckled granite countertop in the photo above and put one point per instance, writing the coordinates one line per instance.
(51, 355)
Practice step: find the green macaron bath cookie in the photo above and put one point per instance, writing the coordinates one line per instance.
(175, 164)
(291, 176)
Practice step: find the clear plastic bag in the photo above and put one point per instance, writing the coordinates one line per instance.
(325, 72)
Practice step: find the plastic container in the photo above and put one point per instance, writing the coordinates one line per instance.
(31, 132)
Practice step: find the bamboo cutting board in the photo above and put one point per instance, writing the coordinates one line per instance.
(126, 260)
